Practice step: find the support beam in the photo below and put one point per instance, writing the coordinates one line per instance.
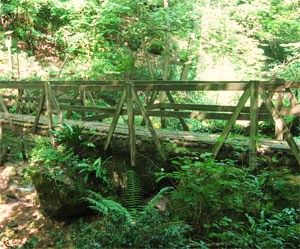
(280, 123)
(148, 122)
(217, 147)
(131, 126)
(279, 105)
(172, 100)
(49, 106)
(55, 104)
(115, 119)
(39, 111)
(253, 124)
(6, 113)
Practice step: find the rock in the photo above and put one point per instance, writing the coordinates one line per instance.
(60, 197)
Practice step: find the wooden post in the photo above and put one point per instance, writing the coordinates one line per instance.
(151, 101)
(280, 123)
(279, 105)
(82, 99)
(218, 145)
(39, 111)
(115, 119)
(6, 113)
(55, 103)
(131, 128)
(49, 106)
(253, 123)
(147, 121)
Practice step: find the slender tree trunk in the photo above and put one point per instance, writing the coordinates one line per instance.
(166, 65)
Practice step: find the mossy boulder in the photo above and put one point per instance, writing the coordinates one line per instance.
(60, 196)
(62, 192)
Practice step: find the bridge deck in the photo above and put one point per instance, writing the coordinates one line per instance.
(193, 141)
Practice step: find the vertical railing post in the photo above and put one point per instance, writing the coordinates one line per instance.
(253, 123)
(279, 105)
(131, 128)
(48, 105)
(83, 102)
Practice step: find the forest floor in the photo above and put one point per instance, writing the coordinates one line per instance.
(22, 225)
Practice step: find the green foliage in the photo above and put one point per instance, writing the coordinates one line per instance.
(96, 168)
(57, 162)
(118, 229)
(270, 230)
(12, 148)
(73, 138)
(235, 206)
(108, 208)
(133, 196)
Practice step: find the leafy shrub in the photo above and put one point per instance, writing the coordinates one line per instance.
(73, 137)
(270, 230)
(57, 161)
(234, 206)
(119, 229)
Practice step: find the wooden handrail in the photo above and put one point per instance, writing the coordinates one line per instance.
(45, 99)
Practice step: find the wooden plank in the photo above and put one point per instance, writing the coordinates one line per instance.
(192, 87)
(12, 97)
(201, 107)
(115, 119)
(131, 129)
(69, 101)
(204, 115)
(39, 111)
(109, 110)
(20, 86)
(98, 117)
(68, 88)
(280, 123)
(181, 120)
(217, 147)
(27, 105)
(253, 124)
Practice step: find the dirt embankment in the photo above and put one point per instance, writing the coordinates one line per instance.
(21, 221)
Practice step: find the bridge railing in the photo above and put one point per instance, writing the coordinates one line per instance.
(53, 99)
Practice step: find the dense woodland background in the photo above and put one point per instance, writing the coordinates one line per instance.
(155, 39)
(49, 187)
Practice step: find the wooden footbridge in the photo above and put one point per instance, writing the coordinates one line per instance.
(100, 104)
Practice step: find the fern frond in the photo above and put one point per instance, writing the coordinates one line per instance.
(108, 207)
(133, 197)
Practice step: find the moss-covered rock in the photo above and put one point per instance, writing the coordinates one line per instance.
(60, 196)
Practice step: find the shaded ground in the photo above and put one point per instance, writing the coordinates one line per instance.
(22, 225)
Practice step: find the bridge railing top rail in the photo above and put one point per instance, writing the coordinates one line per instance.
(148, 85)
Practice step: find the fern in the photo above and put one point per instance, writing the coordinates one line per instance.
(108, 207)
(133, 197)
